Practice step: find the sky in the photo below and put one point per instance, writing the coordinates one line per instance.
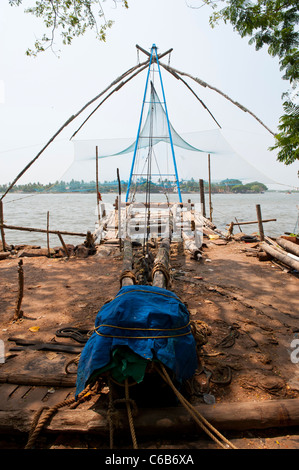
(37, 95)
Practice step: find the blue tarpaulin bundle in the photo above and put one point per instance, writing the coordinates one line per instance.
(141, 324)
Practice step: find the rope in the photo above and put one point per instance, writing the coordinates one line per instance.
(161, 268)
(200, 331)
(127, 273)
(72, 361)
(40, 421)
(143, 329)
(199, 419)
(130, 417)
(112, 413)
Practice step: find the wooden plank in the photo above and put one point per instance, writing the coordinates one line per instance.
(49, 380)
(33, 399)
(5, 391)
(52, 398)
(173, 420)
(15, 399)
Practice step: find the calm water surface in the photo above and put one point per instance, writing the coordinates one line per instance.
(77, 212)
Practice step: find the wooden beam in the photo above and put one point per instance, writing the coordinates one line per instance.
(287, 245)
(253, 222)
(2, 229)
(97, 183)
(260, 223)
(202, 197)
(284, 258)
(163, 421)
(18, 312)
(45, 380)
(41, 230)
(160, 274)
(148, 53)
(48, 238)
(63, 244)
(192, 247)
(127, 267)
(210, 190)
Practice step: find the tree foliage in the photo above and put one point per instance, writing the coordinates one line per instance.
(272, 24)
(67, 18)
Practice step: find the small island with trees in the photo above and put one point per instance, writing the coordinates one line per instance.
(227, 186)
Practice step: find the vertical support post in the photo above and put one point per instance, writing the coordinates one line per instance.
(119, 211)
(97, 183)
(18, 311)
(259, 218)
(210, 195)
(48, 236)
(202, 197)
(2, 229)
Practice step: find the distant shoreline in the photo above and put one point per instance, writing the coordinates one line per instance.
(154, 192)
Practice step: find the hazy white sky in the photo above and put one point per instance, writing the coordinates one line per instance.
(37, 95)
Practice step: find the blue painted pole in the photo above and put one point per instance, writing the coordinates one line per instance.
(169, 131)
(139, 127)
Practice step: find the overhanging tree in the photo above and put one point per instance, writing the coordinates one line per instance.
(270, 23)
(274, 24)
(67, 18)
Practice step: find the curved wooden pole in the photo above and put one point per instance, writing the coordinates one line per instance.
(206, 85)
(74, 116)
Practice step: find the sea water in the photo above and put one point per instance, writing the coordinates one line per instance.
(76, 212)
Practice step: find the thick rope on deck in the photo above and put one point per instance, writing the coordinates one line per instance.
(40, 421)
(159, 267)
(113, 413)
(127, 273)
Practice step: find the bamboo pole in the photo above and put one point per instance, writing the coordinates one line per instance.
(2, 229)
(41, 230)
(176, 73)
(202, 197)
(141, 67)
(48, 237)
(259, 218)
(64, 245)
(97, 184)
(210, 195)
(253, 222)
(284, 258)
(119, 211)
(74, 116)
